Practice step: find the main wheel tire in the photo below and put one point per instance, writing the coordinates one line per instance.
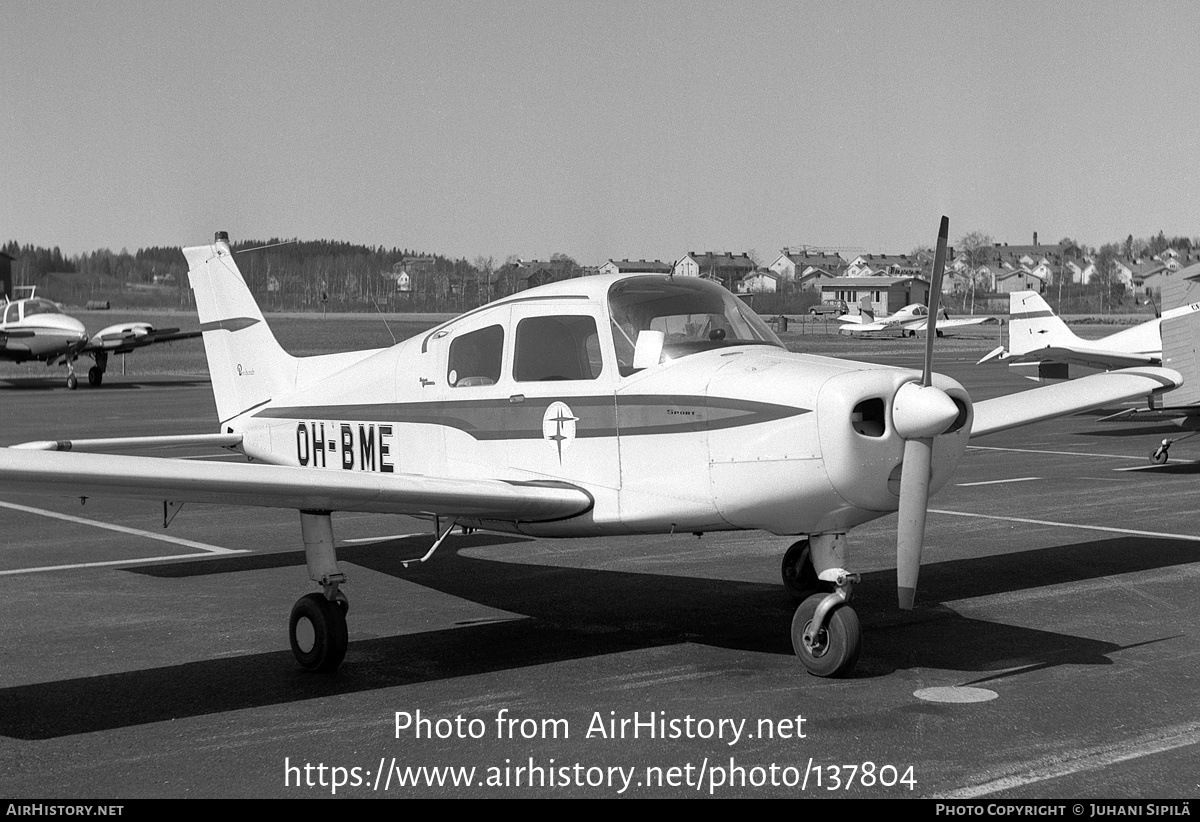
(799, 576)
(95, 375)
(1158, 456)
(318, 634)
(835, 651)
(72, 382)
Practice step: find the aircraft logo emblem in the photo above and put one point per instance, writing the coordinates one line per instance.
(558, 426)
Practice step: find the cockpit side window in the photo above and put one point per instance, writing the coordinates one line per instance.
(564, 347)
(11, 313)
(40, 306)
(475, 358)
(692, 314)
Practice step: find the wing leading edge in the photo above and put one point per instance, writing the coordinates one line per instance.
(279, 486)
(1074, 397)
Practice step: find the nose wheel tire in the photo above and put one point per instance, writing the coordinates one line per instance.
(72, 382)
(318, 633)
(799, 577)
(1158, 456)
(834, 650)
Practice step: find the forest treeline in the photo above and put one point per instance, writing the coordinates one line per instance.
(286, 275)
(295, 275)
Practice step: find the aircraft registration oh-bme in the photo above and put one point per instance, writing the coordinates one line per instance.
(594, 406)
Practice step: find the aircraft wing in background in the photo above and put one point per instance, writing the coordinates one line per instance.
(125, 337)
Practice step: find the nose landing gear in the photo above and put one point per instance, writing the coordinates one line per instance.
(826, 634)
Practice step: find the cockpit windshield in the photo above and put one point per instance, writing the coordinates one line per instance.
(690, 313)
(40, 306)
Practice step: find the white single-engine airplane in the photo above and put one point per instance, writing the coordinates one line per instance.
(37, 329)
(908, 321)
(602, 405)
(1036, 336)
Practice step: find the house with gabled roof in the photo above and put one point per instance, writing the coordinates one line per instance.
(1022, 279)
(636, 267)
(883, 265)
(722, 266)
(798, 265)
(760, 281)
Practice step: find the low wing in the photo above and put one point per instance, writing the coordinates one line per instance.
(867, 328)
(278, 486)
(919, 325)
(125, 337)
(127, 443)
(1101, 359)
(1074, 397)
(851, 319)
(1175, 412)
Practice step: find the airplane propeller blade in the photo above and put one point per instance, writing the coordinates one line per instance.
(920, 413)
(910, 528)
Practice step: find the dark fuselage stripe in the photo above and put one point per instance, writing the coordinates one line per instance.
(501, 419)
(233, 324)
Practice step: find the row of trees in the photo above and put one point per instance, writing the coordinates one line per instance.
(288, 275)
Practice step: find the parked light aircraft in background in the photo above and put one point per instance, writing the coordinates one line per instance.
(602, 405)
(1037, 337)
(908, 321)
(37, 329)
(1181, 406)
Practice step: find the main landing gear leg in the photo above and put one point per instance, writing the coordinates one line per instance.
(1160, 454)
(96, 372)
(317, 628)
(825, 631)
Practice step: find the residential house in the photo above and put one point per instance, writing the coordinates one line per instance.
(760, 281)
(636, 267)
(1006, 281)
(883, 265)
(808, 269)
(726, 268)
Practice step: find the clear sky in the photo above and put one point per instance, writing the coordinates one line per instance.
(597, 129)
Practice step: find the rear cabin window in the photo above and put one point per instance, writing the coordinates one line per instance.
(557, 348)
(475, 358)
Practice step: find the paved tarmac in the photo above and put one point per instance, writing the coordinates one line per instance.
(1059, 588)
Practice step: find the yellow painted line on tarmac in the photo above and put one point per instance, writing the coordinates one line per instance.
(1104, 528)
(205, 549)
(1057, 453)
(1078, 760)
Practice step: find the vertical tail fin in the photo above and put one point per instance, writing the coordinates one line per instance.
(1033, 325)
(247, 365)
(866, 309)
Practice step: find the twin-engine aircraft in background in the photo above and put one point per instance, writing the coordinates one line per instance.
(1036, 337)
(34, 328)
(908, 321)
(603, 405)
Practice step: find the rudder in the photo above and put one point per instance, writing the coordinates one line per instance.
(1032, 324)
(247, 365)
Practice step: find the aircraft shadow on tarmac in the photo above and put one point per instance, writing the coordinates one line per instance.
(573, 613)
